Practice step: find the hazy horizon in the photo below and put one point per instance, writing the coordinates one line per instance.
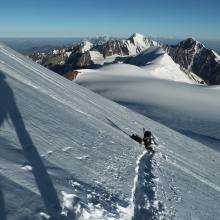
(24, 43)
(164, 19)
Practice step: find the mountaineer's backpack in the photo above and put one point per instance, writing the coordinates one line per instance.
(147, 139)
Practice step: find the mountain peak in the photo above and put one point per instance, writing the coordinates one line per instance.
(189, 43)
(137, 36)
(86, 45)
(137, 39)
(193, 56)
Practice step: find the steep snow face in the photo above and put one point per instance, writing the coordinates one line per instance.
(66, 150)
(59, 137)
(96, 57)
(138, 38)
(156, 62)
(182, 106)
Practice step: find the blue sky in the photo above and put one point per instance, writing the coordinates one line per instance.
(84, 18)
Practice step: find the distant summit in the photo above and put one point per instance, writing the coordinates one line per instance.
(195, 57)
(188, 43)
(138, 43)
(136, 38)
(138, 35)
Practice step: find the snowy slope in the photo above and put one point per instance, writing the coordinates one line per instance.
(155, 61)
(64, 148)
(152, 62)
(73, 136)
(96, 57)
(187, 168)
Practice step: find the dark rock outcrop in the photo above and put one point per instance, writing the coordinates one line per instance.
(71, 75)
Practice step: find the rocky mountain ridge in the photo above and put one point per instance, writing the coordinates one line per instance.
(87, 54)
(192, 56)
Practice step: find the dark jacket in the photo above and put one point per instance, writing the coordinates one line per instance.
(147, 139)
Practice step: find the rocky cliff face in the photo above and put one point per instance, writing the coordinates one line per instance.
(193, 56)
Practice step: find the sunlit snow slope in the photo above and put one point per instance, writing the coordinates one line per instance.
(65, 149)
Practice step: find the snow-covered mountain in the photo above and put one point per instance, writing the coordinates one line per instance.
(138, 43)
(197, 62)
(86, 54)
(156, 62)
(132, 46)
(65, 149)
(195, 57)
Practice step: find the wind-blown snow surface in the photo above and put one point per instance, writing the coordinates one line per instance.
(70, 132)
(65, 149)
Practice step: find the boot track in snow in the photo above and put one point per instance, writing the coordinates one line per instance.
(145, 204)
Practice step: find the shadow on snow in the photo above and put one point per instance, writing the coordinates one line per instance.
(8, 108)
